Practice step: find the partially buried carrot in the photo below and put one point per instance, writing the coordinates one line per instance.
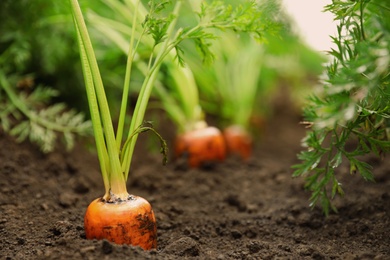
(201, 146)
(130, 222)
(238, 141)
(117, 216)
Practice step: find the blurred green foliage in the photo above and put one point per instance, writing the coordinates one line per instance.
(349, 114)
(37, 39)
(248, 76)
(38, 71)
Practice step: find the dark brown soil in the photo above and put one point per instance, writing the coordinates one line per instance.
(232, 211)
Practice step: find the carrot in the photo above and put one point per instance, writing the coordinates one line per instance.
(117, 216)
(201, 146)
(238, 141)
(129, 222)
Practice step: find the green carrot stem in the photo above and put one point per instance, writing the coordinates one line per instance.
(97, 126)
(187, 90)
(117, 181)
(126, 87)
(142, 101)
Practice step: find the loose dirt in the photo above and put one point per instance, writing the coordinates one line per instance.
(252, 210)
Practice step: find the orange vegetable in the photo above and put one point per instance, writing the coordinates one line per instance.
(201, 146)
(129, 222)
(238, 141)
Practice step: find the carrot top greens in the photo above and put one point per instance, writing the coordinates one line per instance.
(350, 115)
(30, 116)
(35, 60)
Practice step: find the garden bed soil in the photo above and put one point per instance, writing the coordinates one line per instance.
(234, 210)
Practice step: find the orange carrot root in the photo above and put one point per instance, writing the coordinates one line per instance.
(201, 146)
(129, 222)
(238, 141)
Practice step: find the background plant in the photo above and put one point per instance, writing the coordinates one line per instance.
(37, 66)
(184, 108)
(349, 115)
(247, 76)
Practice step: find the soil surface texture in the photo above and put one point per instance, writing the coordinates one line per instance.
(234, 210)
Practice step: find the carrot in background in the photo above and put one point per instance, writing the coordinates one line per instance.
(238, 141)
(201, 146)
